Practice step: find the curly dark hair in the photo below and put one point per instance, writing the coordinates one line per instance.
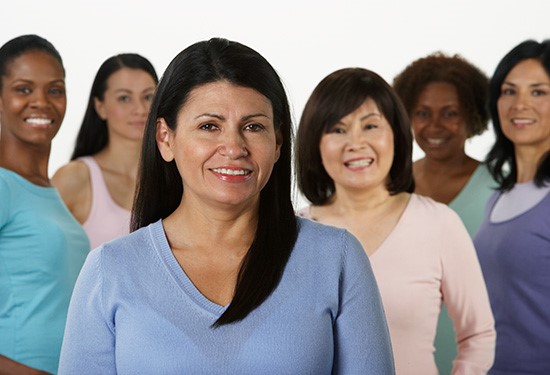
(472, 86)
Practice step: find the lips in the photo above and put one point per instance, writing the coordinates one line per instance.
(39, 121)
(357, 163)
(232, 172)
(521, 122)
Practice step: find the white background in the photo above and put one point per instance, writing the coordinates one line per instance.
(303, 40)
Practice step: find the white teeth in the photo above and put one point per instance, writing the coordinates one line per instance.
(38, 121)
(360, 163)
(522, 121)
(435, 141)
(232, 172)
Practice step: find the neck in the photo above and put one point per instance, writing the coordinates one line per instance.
(200, 226)
(359, 202)
(29, 162)
(122, 157)
(527, 161)
(452, 165)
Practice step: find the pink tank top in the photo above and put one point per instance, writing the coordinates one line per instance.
(107, 220)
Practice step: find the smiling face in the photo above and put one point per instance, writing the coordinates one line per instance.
(32, 100)
(437, 121)
(225, 144)
(524, 106)
(126, 103)
(357, 152)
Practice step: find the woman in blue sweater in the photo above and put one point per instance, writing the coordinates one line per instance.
(219, 276)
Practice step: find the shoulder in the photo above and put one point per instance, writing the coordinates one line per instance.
(137, 247)
(326, 243)
(74, 173)
(435, 218)
(72, 180)
(304, 212)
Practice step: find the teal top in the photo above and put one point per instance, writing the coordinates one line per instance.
(470, 203)
(42, 248)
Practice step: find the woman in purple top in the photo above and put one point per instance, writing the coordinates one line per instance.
(513, 242)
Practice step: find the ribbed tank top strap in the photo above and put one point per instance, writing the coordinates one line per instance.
(100, 192)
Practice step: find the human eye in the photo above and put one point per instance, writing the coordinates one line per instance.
(539, 92)
(149, 97)
(507, 91)
(25, 90)
(422, 114)
(336, 129)
(209, 127)
(57, 91)
(124, 98)
(450, 114)
(254, 127)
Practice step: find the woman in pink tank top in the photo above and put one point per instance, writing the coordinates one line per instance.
(98, 183)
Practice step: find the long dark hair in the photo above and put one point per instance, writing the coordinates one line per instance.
(501, 159)
(336, 96)
(22, 44)
(93, 135)
(160, 188)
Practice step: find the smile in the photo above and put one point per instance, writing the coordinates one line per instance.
(38, 121)
(435, 141)
(232, 172)
(359, 163)
(522, 121)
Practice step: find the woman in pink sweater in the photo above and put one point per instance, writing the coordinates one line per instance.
(354, 161)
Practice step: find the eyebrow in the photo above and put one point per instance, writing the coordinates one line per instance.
(24, 80)
(531, 85)
(244, 118)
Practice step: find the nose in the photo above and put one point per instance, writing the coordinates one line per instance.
(142, 107)
(233, 146)
(521, 100)
(357, 140)
(39, 99)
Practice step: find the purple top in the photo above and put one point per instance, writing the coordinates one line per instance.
(515, 258)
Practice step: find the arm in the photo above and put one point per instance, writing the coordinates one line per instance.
(74, 186)
(11, 367)
(467, 301)
(89, 340)
(362, 341)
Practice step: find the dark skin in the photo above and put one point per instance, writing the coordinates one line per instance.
(441, 131)
(32, 107)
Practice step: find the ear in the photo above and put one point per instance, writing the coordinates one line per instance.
(164, 137)
(100, 109)
(279, 142)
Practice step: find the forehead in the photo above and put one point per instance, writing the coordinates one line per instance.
(130, 78)
(226, 97)
(438, 92)
(528, 70)
(33, 64)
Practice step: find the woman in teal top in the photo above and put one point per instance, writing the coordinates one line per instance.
(42, 247)
(446, 99)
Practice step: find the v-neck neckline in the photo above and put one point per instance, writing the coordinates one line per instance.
(178, 274)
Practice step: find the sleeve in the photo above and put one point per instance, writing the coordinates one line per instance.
(89, 340)
(467, 301)
(362, 340)
(5, 198)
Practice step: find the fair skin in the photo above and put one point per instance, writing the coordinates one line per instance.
(124, 107)
(524, 114)
(224, 146)
(441, 132)
(32, 107)
(357, 153)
